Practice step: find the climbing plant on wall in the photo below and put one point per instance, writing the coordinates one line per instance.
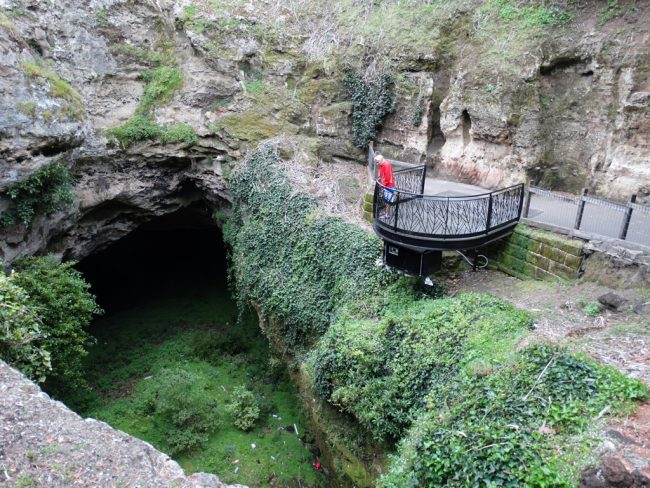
(372, 99)
(47, 190)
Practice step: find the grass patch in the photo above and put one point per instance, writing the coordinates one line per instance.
(59, 88)
(161, 85)
(184, 351)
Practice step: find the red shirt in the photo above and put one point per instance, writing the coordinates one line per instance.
(386, 177)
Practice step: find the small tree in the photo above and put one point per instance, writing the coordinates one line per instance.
(21, 338)
(244, 408)
(61, 297)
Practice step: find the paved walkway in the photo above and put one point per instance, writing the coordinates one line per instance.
(445, 188)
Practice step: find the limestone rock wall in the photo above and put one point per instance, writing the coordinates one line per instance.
(565, 107)
(43, 443)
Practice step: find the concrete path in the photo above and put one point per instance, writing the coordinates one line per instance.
(445, 188)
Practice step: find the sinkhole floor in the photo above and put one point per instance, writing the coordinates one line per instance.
(195, 329)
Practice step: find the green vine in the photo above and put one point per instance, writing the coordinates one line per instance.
(47, 190)
(418, 113)
(297, 266)
(372, 99)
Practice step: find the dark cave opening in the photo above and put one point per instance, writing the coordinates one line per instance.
(169, 252)
(467, 126)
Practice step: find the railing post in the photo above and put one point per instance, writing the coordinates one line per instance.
(375, 203)
(396, 207)
(581, 208)
(527, 201)
(446, 216)
(627, 217)
(424, 179)
(489, 215)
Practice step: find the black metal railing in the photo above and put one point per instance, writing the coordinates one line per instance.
(434, 217)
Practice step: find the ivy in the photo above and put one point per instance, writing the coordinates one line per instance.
(47, 190)
(372, 99)
(297, 266)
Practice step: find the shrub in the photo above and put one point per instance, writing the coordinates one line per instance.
(137, 128)
(21, 337)
(47, 190)
(176, 397)
(382, 372)
(243, 408)
(61, 297)
(372, 100)
(178, 133)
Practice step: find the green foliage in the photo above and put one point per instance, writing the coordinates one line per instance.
(590, 308)
(297, 266)
(244, 408)
(416, 118)
(161, 85)
(178, 133)
(21, 337)
(191, 328)
(254, 87)
(372, 99)
(27, 108)
(47, 190)
(381, 372)
(513, 427)
(61, 297)
(532, 15)
(143, 128)
(175, 397)
(137, 128)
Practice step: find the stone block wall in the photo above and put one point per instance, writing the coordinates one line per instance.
(367, 205)
(539, 254)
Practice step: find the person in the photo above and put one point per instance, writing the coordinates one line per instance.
(387, 180)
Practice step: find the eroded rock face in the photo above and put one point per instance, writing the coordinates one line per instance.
(569, 110)
(43, 443)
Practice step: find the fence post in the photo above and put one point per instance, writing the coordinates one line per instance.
(527, 200)
(626, 219)
(581, 208)
(489, 215)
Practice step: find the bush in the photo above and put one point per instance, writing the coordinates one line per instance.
(61, 297)
(382, 372)
(176, 397)
(137, 128)
(47, 190)
(161, 85)
(178, 133)
(244, 408)
(21, 337)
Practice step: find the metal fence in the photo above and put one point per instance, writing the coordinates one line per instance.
(629, 222)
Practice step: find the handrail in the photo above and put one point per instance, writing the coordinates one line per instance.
(431, 217)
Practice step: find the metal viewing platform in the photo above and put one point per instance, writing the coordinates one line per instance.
(417, 227)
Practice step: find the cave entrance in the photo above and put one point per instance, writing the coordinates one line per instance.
(171, 252)
(175, 364)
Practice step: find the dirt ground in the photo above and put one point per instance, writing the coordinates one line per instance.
(567, 314)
